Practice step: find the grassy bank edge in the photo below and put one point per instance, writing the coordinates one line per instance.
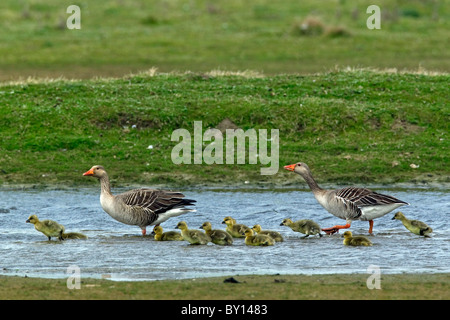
(417, 286)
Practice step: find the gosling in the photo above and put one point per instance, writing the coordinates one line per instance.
(349, 240)
(258, 239)
(305, 226)
(166, 236)
(415, 226)
(235, 229)
(273, 234)
(219, 237)
(53, 229)
(192, 236)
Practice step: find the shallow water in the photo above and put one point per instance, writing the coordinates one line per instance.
(118, 252)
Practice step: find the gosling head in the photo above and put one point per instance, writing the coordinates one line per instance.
(96, 171)
(286, 222)
(182, 225)
(248, 232)
(398, 216)
(229, 221)
(157, 230)
(300, 167)
(32, 219)
(257, 228)
(347, 234)
(206, 226)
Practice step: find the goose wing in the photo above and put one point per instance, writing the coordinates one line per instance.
(157, 201)
(354, 199)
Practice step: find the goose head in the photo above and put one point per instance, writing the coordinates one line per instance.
(399, 216)
(96, 171)
(300, 168)
(32, 219)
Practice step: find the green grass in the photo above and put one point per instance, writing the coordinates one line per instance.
(267, 287)
(123, 36)
(350, 127)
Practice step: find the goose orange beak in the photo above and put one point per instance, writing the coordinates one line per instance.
(290, 167)
(89, 173)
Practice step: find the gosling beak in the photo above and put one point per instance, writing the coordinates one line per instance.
(152, 233)
(89, 173)
(393, 218)
(290, 167)
(281, 224)
(28, 221)
(223, 222)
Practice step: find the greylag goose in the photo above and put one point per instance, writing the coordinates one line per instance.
(258, 239)
(349, 203)
(48, 227)
(305, 226)
(275, 235)
(219, 237)
(192, 236)
(166, 236)
(415, 226)
(235, 229)
(140, 207)
(350, 240)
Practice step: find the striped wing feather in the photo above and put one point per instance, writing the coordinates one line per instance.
(158, 201)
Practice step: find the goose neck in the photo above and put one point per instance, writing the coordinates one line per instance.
(105, 185)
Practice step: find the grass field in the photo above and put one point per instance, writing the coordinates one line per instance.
(122, 36)
(356, 126)
(269, 287)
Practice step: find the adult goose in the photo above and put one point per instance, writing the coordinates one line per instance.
(140, 207)
(349, 203)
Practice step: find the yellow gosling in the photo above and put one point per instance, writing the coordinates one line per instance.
(305, 226)
(415, 226)
(53, 229)
(235, 229)
(219, 237)
(48, 227)
(349, 240)
(273, 234)
(166, 236)
(258, 239)
(74, 236)
(192, 236)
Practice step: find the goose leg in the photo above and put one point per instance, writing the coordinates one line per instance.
(144, 231)
(370, 226)
(335, 229)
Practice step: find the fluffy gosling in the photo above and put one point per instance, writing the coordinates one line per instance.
(192, 236)
(235, 229)
(166, 236)
(53, 229)
(305, 226)
(258, 239)
(273, 234)
(349, 240)
(219, 237)
(415, 226)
